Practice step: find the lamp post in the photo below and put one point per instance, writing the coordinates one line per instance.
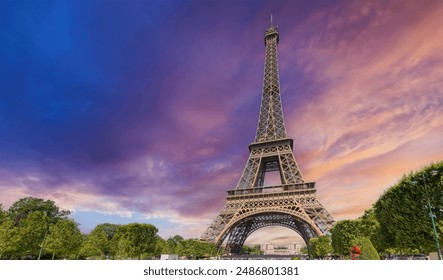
(432, 215)
(44, 237)
(435, 231)
(43, 243)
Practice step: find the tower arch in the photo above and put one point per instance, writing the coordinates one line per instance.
(240, 228)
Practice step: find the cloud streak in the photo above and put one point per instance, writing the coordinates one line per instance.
(379, 94)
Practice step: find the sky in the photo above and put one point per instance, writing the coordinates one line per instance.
(142, 111)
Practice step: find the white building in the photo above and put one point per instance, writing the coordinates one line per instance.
(169, 257)
(273, 249)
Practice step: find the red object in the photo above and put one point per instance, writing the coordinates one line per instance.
(356, 250)
(355, 253)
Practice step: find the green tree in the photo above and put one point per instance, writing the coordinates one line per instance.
(109, 229)
(312, 247)
(97, 243)
(161, 247)
(320, 247)
(254, 250)
(64, 239)
(368, 251)
(8, 239)
(23, 207)
(368, 223)
(403, 211)
(28, 220)
(343, 233)
(172, 243)
(196, 249)
(134, 241)
(31, 235)
(304, 250)
(370, 227)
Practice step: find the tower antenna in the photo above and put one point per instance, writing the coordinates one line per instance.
(271, 21)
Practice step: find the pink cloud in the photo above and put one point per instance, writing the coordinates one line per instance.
(381, 93)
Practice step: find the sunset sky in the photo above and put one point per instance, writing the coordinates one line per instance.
(142, 111)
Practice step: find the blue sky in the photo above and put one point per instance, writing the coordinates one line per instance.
(142, 111)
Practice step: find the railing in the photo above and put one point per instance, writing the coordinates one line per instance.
(271, 189)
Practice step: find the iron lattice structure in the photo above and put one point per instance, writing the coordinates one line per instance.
(251, 205)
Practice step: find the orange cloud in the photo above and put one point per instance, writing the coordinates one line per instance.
(383, 93)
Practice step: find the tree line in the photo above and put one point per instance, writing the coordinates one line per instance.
(34, 228)
(398, 223)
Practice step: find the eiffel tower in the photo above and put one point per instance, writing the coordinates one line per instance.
(251, 205)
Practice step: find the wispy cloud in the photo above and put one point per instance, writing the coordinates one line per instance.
(380, 74)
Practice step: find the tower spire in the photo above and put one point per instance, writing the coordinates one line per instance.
(271, 124)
